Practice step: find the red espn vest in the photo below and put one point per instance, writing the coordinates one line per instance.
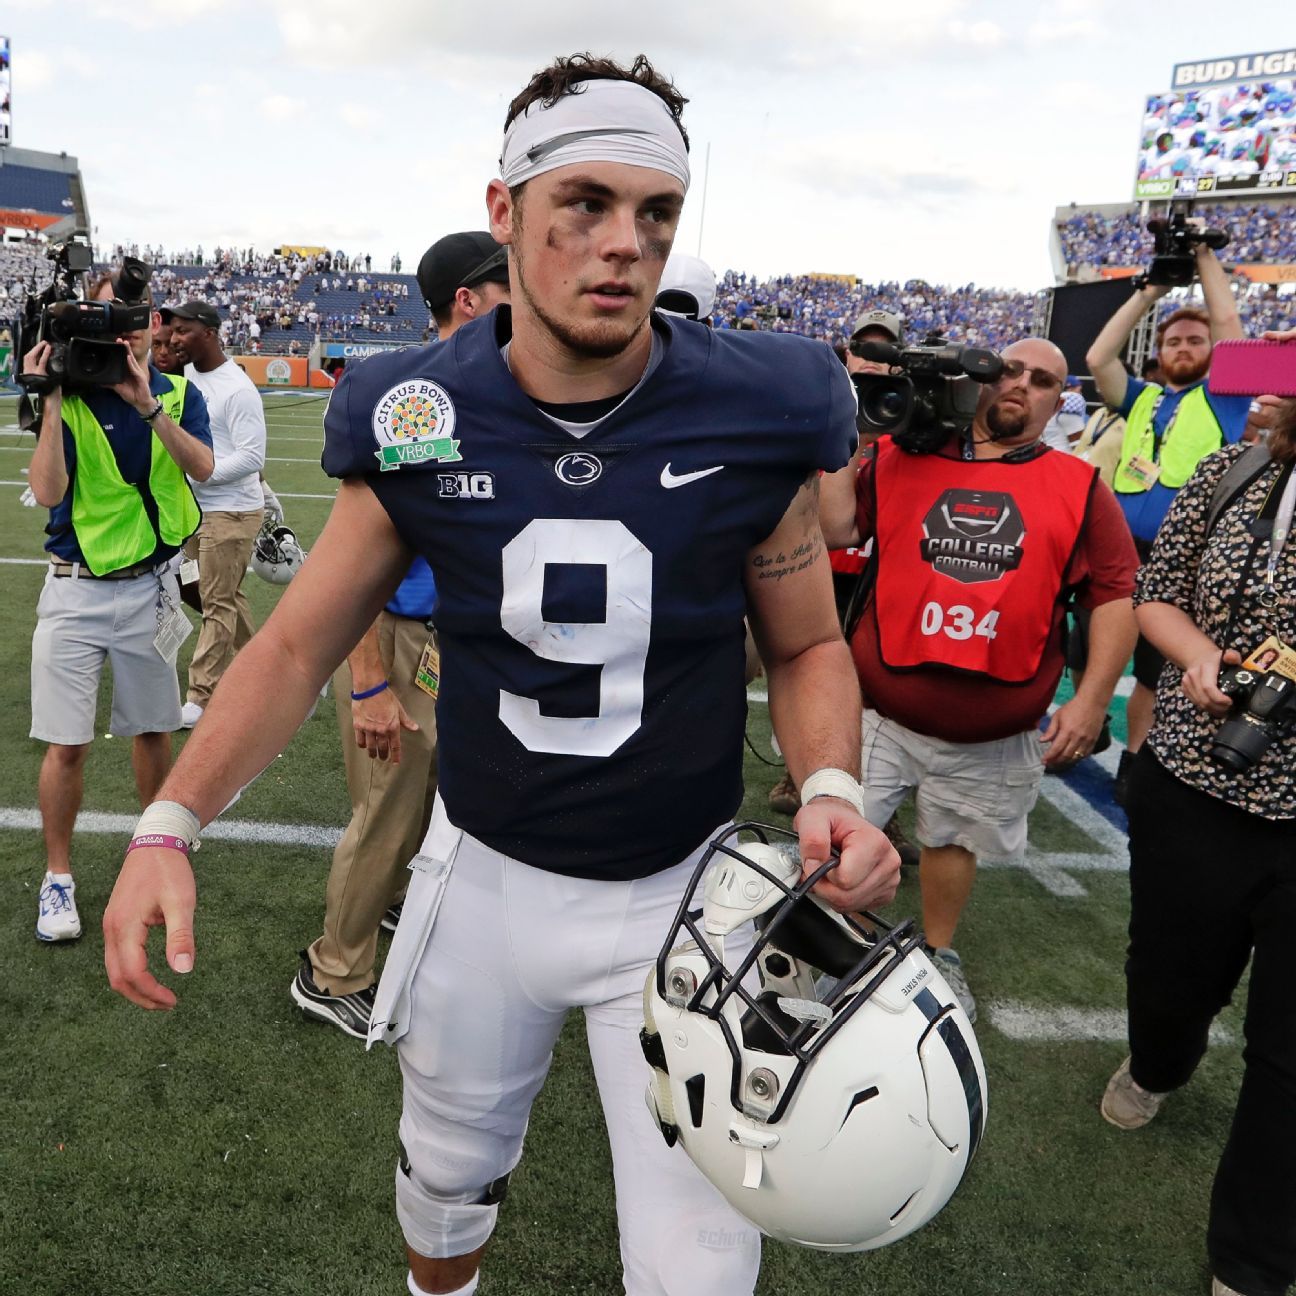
(971, 558)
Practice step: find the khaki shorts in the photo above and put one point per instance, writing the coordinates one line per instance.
(79, 624)
(974, 795)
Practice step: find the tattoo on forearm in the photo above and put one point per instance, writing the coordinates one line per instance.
(775, 564)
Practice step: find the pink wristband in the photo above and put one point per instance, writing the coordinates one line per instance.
(151, 840)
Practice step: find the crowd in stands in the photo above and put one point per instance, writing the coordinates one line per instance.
(249, 261)
(827, 308)
(1259, 233)
(279, 303)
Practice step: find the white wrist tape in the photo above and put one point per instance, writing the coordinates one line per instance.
(833, 783)
(169, 818)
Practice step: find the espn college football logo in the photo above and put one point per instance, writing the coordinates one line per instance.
(973, 536)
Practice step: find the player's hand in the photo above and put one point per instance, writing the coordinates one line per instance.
(378, 722)
(868, 872)
(1072, 731)
(1201, 682)
(155, 887)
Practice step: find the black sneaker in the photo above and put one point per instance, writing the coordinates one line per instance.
(349, 1012)
(391, 917)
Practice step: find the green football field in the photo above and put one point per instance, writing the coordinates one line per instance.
(233, 1148)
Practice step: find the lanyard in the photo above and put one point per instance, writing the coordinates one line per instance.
(1159, 439)
(1281, 530)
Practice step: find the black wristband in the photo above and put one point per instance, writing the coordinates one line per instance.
(153, 413)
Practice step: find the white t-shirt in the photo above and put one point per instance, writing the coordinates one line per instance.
(238, 439)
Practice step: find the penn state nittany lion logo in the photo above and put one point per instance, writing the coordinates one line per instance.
(413, 423)
(578, 468)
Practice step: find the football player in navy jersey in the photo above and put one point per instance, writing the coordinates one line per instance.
(602, 492)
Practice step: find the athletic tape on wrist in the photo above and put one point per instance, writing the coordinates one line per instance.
(833, 783)
(167, 819)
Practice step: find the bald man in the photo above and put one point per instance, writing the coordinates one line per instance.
(959, 648)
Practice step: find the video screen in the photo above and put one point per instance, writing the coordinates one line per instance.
(1227, 139)
(6, 87)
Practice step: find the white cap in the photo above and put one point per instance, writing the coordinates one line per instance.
(688, 287)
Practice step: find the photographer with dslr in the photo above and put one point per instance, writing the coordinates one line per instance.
(1170, 427)
(980, 534)
(110, 465)
(1212, 827)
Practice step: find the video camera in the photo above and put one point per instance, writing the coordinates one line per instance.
(933, 395)
(82, 334)
(1173, 239)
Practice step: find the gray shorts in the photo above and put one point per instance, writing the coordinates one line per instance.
(974, 795)
(79, 624)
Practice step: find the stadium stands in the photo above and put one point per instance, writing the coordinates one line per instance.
(1261, 233)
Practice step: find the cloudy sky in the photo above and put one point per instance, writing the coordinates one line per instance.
(931, 138)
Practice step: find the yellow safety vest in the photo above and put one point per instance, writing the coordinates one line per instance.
(1195, 434)
(112, 526)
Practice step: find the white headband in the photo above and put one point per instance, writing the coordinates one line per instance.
(606, 121)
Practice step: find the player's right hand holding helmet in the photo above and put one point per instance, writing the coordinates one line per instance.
(838, 1113)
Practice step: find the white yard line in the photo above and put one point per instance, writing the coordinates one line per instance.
(294, 495)
(25, 562)
(243, 830)
(273, 459)
(1035, 1024)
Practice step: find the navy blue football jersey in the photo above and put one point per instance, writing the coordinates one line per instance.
(591, 712)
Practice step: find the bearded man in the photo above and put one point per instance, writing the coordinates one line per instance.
(976, 550)
(1170, 427)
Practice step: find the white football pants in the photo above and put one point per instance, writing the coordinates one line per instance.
(496, 953)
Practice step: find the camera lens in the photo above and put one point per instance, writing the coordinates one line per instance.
(884, 402)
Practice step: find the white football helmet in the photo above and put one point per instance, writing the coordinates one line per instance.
(276, 555)
(840, 1117)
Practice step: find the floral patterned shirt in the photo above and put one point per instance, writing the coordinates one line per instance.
(1200, 575)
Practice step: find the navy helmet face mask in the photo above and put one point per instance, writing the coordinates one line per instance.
(839, 1111)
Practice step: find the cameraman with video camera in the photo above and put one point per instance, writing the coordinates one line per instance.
(1212, 825)
(980, 534)
(1170, 427)
(110, 465)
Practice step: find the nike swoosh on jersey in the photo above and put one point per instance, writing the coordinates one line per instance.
(670, 480)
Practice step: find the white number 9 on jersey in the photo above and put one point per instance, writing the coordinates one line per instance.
(618, 643)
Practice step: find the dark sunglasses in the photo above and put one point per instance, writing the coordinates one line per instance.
(1041, 378)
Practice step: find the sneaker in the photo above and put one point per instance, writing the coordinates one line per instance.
(190, 714)
(1219, 1288)
(392, 916)
(905, 848)
(784, 796)
(348, 1012)
(950, 966)
(57, 918)
(1127, 1105)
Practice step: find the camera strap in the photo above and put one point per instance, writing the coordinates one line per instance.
(1265, 526)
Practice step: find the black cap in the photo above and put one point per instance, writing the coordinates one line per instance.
(460, 261)
(192, 310)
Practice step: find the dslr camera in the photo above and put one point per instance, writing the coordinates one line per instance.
(1264, 708)
(930, 394)
(82, 334)
(1173, 240)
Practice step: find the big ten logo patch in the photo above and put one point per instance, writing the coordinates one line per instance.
(464, 485)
